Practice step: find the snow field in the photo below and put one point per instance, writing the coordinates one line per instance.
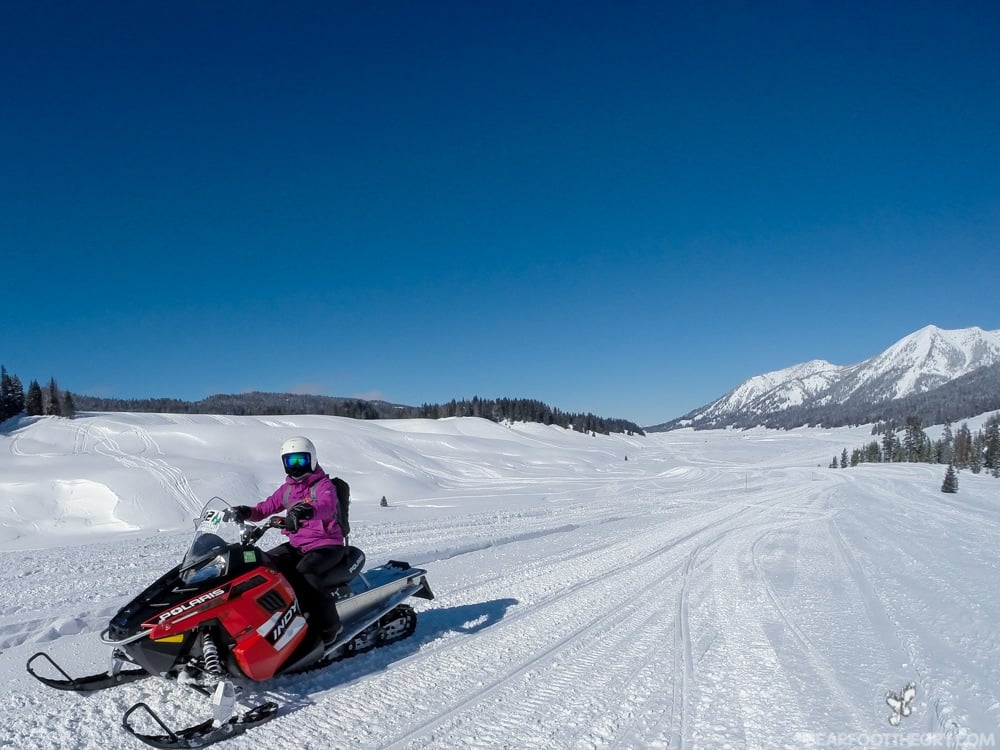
(717, 590)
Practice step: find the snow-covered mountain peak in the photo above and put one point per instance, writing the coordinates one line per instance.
(932, 343)
(920, 362)
(790, 386)
(928, 358)
(760, 384)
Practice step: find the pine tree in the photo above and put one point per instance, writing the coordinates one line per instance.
(962, 447)
(978, 451)
(991, 459)
(34, 404)
(53, 404)
(889, 444)
(16, 405)
(873, 453)
(11, 395)
(68, 407)
(950, 483)
(5, 386)
(843, 459)
(934, 452)
(945, 447)
(914, 440)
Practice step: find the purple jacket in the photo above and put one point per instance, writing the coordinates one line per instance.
(322, 530)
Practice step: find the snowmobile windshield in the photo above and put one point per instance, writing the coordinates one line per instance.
(208, 555)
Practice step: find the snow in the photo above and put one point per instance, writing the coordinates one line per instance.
(719, 589)
(931, 355)
(919, 362)
(791, 386)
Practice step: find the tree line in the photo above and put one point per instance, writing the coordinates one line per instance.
(37, 401)
(50, 401)
(960, 448)
(527, 410)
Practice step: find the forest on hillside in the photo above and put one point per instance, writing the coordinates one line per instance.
(961, 449)
(51, 400)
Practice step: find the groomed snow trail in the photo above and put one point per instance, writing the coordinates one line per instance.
(723, 594)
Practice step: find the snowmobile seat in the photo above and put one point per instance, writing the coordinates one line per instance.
(345, 571)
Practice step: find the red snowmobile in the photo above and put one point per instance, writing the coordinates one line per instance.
(226, 616)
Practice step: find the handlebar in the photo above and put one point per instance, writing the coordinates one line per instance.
(253, 532)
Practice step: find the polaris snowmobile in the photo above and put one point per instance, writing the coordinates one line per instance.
(226, 617)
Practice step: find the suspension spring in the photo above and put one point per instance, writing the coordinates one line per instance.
(210, 655)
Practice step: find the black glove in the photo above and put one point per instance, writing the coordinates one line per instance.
(241, 512)
(296, 515)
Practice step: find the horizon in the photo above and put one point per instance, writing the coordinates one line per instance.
(626, 211)
(915, 336)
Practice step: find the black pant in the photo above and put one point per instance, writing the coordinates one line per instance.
(308, 573)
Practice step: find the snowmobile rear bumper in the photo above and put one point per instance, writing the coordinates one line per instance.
(377, 591)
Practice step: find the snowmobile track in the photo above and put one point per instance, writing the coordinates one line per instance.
(578, 655)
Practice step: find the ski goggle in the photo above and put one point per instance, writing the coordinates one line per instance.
(296, 461)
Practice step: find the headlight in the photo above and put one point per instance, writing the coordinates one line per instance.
(205, 572)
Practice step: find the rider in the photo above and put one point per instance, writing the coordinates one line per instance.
(315, 543)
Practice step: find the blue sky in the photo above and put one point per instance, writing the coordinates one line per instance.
(624, 208)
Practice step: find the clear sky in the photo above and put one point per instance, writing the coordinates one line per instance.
(625, 207)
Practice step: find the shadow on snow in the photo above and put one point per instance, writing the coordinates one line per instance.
(432, 624)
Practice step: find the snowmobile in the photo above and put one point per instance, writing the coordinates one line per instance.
(225, 618)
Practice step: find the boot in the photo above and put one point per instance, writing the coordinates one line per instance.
(328, 619)
(330, 635)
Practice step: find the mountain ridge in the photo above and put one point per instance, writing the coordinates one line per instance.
(824, 394)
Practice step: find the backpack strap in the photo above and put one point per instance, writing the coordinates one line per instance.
(288, 493)
(286, 501)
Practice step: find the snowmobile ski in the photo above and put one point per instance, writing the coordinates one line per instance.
(91, 683)
(200, 735)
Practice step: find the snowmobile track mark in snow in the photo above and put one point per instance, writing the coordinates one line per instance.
(576, 654)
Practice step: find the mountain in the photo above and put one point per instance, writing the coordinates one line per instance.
(930, 372)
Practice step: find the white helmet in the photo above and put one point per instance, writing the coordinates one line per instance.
(298, 456)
